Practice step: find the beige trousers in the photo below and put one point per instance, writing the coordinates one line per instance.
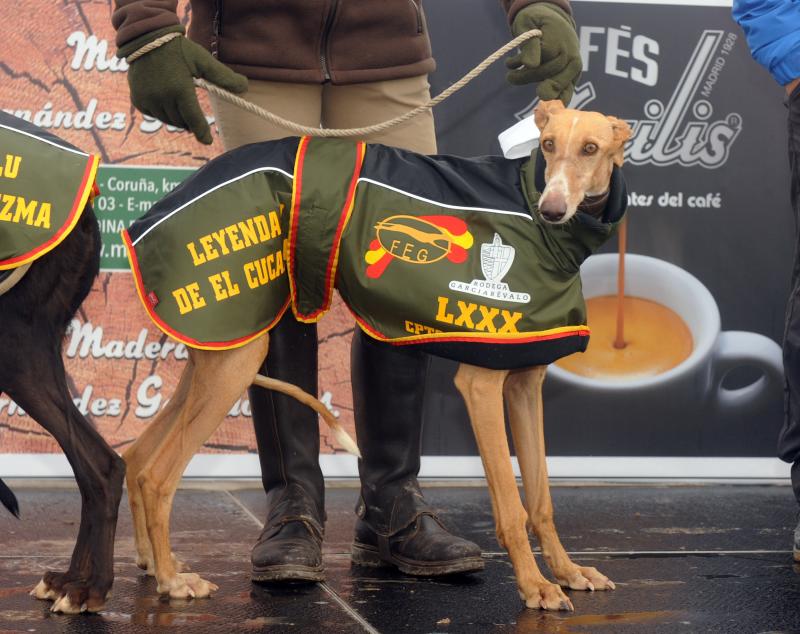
(331, 106)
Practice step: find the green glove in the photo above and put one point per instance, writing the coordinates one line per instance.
(554, 59)
(161, 81)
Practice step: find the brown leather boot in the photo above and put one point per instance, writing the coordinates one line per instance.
(290, 546)
(412, 539)
(287, 433)
(396, 527)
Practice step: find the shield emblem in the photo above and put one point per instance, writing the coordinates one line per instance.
(496, 259)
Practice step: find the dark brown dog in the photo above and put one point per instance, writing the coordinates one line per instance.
(35, 314)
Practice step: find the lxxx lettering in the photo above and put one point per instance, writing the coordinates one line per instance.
(478, 317)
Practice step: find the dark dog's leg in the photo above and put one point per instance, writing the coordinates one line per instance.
(35, 315)
(40, 388)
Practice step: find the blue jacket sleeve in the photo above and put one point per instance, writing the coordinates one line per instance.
(772, 29)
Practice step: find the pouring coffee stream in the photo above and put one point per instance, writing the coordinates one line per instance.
(619, 340)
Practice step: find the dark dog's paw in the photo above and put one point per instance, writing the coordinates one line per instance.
(43, 592)
(82, 596)
(49, 588)
(71, 595)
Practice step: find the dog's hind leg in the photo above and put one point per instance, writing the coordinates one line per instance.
(482, 390)
(523, 391)
(39, 387)
(218, 379)
(137, 455)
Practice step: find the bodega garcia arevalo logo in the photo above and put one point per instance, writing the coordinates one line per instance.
(496, 261)
(680, 129)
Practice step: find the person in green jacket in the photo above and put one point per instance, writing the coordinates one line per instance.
(336, 64)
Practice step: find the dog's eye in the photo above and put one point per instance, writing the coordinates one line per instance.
(589, 148)
(548, 145)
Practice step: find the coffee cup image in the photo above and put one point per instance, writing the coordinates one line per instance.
(665, 408)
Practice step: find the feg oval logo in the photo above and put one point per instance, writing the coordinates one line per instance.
(413, 239)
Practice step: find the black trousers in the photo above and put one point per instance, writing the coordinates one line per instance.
(789, 438)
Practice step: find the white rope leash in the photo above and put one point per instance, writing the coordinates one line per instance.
(151, 46)
(342, 132)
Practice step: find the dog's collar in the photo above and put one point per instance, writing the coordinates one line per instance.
(532, 180)
(539, 166)
(594, 205)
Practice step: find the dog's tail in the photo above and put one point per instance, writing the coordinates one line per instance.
(342, 437)
(8, 499)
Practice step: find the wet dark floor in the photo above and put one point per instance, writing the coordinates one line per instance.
(684, 558)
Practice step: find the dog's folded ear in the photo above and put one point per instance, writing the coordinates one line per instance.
(543, 111)
(622, 132)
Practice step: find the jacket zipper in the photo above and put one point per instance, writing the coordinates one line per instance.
(418, 9)
(217, 27)
(323, 54)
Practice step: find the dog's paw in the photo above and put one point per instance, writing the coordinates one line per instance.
(44, 592)
(187, 585)
(546, 596)
(51, 586)
(586, 578)
(147, 563)
(65, 606)
(82, 596)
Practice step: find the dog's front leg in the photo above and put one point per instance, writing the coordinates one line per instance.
(39, 386)
(482, 390)
(523, 391)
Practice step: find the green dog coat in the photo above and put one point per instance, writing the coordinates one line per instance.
(438, 251)
(44, 185)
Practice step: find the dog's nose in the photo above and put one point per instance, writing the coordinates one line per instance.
(553, 207)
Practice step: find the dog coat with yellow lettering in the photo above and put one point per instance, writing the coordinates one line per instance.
(437, 251)
(44, 186)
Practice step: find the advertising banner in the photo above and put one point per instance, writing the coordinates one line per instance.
(710, 236)
(61, 74)
(709, 231)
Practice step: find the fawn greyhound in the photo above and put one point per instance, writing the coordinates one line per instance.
(582, 150)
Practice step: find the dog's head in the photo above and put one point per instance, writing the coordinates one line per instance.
(581, 149)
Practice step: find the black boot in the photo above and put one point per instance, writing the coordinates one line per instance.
(287, 432)
(396, 526)
(796, 488)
